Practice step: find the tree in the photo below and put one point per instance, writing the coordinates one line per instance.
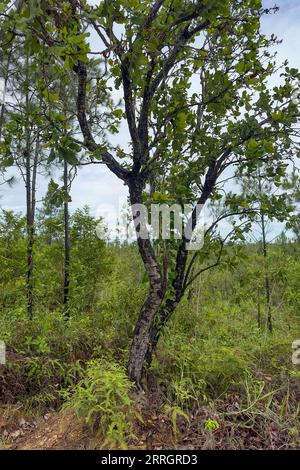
(269, 202)
(60, 109)
(196, 102)
(21, 128)
(49, 216)
(13, 252)
(55, 222)
(90, 258)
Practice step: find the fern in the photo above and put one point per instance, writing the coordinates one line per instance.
(102, 400)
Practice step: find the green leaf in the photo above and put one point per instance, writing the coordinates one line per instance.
(252, 145)
(52, 156)
(277, 116)
(68, 155)
(181, 121)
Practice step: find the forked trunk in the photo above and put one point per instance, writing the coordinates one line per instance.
(168, 308)
(141, 336)
(157, 327)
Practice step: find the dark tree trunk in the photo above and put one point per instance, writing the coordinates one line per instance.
(157, 326)
(30, 182)
(29, 278)
(167, 310)
(268, 295)
(30, 212)
(31, 173)
(267, 275)
(179, 284)
(141, 335)
(67, 239)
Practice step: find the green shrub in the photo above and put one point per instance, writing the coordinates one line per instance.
(102, 400)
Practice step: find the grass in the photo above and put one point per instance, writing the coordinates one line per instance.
(219, 380)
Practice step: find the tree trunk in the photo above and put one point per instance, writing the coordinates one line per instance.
(29, 206)
(141, 335)
(157, 326)
(267, 275)
(67, 239)
(268, 294)
(266, 267)
(154, 316)
(167, 310)
(29, 279)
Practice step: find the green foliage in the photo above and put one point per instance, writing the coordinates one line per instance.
(211, 351)
(211, 425)
(184, 141)
(175, 412)
(43, 378)
(39, 344)
(213, 343)
(90, 259)
(12, 256)
(102, 400)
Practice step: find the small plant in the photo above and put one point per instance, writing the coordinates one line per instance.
(174, 412)
(102, 400)
(211, 425)
(38, 344)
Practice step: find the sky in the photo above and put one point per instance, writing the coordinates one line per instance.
(98, 187)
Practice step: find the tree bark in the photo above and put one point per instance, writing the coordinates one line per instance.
(30, 201)
(157, 326)
(141, 335)
(66, 239)
(266, 268)
(6, 77)
(29, 278)
(167, 310)
(179, 285)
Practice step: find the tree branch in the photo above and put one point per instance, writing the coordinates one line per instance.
(89, 141)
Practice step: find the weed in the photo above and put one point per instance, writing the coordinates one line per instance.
(102, 400)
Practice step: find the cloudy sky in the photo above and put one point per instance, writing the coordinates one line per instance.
(101, 190)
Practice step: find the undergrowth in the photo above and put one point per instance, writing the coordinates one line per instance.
(213, 366)
(102, 400)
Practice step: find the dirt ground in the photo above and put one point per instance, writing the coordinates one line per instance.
(63, 431)
(154, 431)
